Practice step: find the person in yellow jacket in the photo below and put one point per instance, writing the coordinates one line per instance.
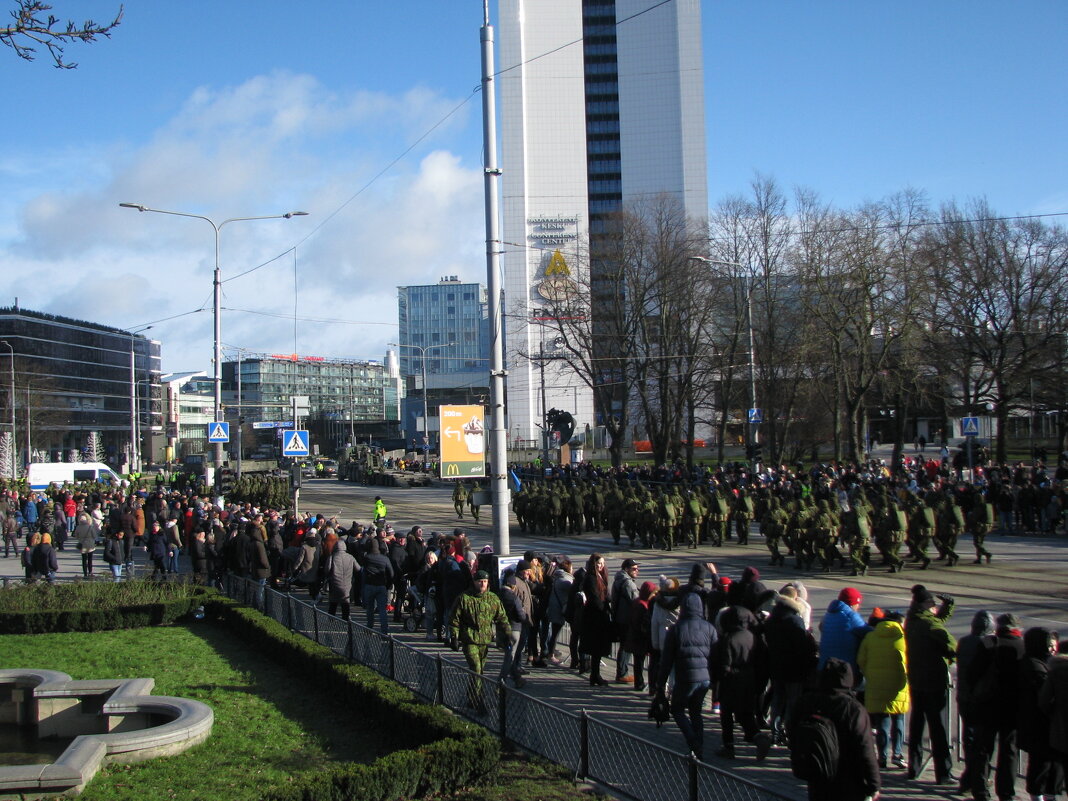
(881, 658)
(380, 510)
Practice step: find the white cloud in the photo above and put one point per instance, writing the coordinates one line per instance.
(275, 143)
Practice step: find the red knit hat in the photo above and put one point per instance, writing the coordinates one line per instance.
(850, 596)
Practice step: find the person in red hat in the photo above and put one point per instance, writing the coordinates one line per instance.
(842, 629)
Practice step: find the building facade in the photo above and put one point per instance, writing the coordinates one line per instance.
(72, 378)
(444, 336)
(343, 395)
(601, 105)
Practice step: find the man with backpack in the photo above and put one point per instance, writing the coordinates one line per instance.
(831, 741)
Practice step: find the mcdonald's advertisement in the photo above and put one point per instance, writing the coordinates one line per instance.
(463, 441)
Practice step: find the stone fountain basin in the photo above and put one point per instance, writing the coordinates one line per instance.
(111, 720)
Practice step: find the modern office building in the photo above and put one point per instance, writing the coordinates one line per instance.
(72, 378)
(345, 397)
(601, 105)
(444, 335)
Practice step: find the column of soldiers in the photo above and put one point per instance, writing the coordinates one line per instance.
(822, 524)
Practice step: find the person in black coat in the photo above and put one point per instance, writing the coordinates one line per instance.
(739, 659)
(792, 656)
(1044, 773)
(689, 650)
(858, 768)
(995, 677)
(596, 635)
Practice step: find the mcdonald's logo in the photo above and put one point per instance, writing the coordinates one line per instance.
(453, 469)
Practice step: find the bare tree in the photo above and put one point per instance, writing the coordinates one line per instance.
(1000, 316)
(34, 25)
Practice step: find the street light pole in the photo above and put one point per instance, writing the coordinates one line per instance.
(422, 359)
(11, 450)
(216, 295)
(135, 448)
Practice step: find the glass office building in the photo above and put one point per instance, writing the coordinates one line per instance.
(73, 377)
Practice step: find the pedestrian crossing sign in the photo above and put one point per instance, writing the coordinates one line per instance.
(756, 416)
(969, 426)
(218, 432)
(295, 443)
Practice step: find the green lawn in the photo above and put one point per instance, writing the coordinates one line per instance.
(270, 726)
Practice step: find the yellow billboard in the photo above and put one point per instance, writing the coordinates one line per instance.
(463, 441)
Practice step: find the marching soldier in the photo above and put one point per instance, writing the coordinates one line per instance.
(459, 499)
(743, 515)
(982, 518)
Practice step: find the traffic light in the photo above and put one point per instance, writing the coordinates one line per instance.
(226, 481)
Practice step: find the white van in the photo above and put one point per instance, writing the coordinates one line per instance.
(44, 473)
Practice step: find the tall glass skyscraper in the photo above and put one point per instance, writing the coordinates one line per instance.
(601, 104)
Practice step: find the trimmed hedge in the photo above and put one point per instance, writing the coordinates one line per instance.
(446, 754)
(124, 617)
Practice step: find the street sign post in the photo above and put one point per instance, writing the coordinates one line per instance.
(295, 443)
(756, 416)
(218, 432)
(969, 426)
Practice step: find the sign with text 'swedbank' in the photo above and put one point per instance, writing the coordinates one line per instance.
(463, 441)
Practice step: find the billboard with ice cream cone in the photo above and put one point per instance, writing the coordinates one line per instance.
(463, 441)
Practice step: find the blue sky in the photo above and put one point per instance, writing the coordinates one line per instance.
(240, 108)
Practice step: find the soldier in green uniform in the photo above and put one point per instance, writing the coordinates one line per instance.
(666, 520)
(476, 617)
(459, 499)
(474, 507)
(719, 516)
(576, 510)
(693, 514)
(950, 527)
(895, 527)
(981, 518)
(773, 527)
(614, 503)
(648, 517)
(858, 532)
(743, 515)
(824, 528)
(519, 506)
(921, 528)
(557, 517)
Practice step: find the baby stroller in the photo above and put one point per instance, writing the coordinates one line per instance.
(413, 610)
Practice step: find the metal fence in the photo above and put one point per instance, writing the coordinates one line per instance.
(591, 748)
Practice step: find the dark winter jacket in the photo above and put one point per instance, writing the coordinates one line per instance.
(690, 647)
(995, 678)
(792, 649)
(858, 770)
(967, 650)
(1033, 729)
(930, 649)
(740, 657)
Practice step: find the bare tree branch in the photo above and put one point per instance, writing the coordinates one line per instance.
(34, 25)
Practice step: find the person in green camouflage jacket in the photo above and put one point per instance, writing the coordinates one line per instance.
(476, 614)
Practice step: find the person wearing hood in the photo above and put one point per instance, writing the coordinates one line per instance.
(802, 601)
(792, 655)
(842, 629)
(747, 590)
(1045, 778)
(857, 777)
(664, 616)
(982, 627)
(377, 578)
(740, 658)
(689, 650)
(886, 695)
(638, 639)
(930, 649)
(995, 678)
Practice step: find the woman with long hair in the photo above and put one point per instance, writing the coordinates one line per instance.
(597, 617)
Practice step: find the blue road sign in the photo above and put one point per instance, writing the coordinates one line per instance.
(756, 416)
(218, 432)
(295, 443)
(969, 426)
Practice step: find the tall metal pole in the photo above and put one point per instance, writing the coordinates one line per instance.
(217, 297)
(240, 353)
(753, 431)
(498, 429)
(426, 418)
(11, 450)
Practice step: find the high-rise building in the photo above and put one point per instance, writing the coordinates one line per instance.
(601, 105)
(444, 336)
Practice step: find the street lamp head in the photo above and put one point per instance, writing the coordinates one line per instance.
(289, 214)
(137, 206)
